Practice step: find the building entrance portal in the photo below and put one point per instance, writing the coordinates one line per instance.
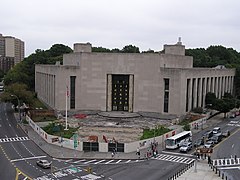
(120, 92)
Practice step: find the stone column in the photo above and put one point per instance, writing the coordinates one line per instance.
(220, 87)
(223, 85)
(131, 88)
(109, 92)
(213, 84)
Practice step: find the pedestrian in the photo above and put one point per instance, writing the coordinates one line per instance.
(113, 154)
(138, 152)
(235, 157)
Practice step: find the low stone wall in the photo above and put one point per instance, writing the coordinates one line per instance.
(103, 147)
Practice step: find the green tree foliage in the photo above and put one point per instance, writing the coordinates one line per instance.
(210, 99)
(130, 49)
(24, 72)
(213, 56)
(224, 105)
(186, 127)
(100, 49)
(150, 133)
(19, 90)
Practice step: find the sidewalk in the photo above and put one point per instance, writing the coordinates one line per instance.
(202, 172)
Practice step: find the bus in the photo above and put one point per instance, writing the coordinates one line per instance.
(177, 140)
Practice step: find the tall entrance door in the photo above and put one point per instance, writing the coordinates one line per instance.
(120, 92)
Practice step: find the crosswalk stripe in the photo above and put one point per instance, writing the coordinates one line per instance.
(89, 161)
(100, 161)
(80, 161)
(226, 162)
(128, 161)
(109, 161)
(173, 158)
(118, 161)
(14, 139)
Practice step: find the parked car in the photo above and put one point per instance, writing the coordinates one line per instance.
(209, 144)
(186, 147)
(216, 130)
(216, 138)
(226, 133)
(44, 163)
(208, 134)
(199, 142)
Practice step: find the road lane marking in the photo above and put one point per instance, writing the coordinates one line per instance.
(181, 154)
(35, 157)
(225, 139)
(232, 145)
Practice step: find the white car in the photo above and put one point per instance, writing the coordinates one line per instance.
(186, 147)
(216, 130)
(209, 144)
(44, 163)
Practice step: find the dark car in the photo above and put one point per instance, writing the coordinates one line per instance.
(208, 134)
(216, 138)
(199, 142)
(44, 163)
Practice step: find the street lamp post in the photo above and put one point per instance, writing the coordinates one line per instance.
(13, 95)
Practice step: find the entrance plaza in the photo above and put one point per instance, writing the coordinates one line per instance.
(122, 127)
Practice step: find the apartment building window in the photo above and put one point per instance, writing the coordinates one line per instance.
(72, 91)
(166, 95)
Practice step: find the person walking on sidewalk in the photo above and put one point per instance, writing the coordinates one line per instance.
(138, 152)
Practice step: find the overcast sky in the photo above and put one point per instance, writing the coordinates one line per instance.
(116, 23)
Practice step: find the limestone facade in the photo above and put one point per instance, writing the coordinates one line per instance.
(157, 82)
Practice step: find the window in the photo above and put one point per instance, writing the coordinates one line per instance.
(72, 91)
(166, 95)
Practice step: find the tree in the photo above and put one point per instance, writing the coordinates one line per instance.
(58, 50)
(24, 72)
(130, 49)
(224, 105)
(100, 49)
(19, 90)
(186, 127)
(210, 99)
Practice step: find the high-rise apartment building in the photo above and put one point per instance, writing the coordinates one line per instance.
(11, 52)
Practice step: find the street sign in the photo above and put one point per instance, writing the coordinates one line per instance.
(75, 137)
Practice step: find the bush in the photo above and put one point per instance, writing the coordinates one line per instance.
(58, 130)
(198, 110)
(150, 133)
(186, 127)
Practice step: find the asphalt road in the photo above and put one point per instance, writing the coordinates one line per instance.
(18, 154)
(149, 169)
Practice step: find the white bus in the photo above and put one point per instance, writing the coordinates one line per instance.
(177, 140)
